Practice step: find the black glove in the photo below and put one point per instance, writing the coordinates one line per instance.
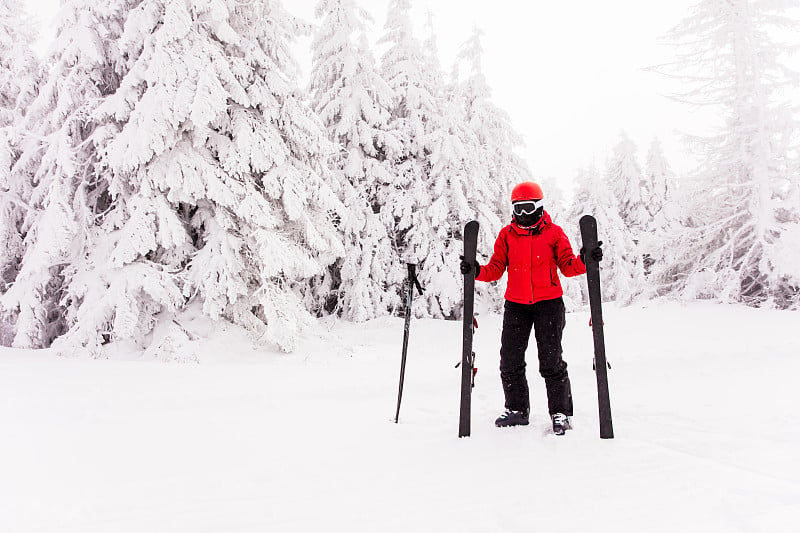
(597, 253)
(466, 266)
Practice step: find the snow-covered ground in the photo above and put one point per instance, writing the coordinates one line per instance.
(704, 399)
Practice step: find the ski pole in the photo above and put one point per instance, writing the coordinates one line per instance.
(412, 282)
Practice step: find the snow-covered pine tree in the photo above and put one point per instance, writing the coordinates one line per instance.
(352, 100)
(497, 164)
(19, 78)
(456, 199)
(18, 82)
(622, 277)
(454, 204)
(493, 165)
(56, 168)
(215, 178)
(430, 56)
(660, 180)
(441, 222)
(404, 194)
(665, 212)
(625, 177)
(745, 245)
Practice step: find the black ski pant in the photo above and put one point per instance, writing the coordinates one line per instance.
(547, 318)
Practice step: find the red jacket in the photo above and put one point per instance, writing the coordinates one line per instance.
(531, 258)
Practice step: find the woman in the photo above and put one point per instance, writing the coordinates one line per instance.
(531, 248)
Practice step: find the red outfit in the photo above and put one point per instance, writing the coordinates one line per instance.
(531, 256)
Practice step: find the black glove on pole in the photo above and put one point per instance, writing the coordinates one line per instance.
(466, 266)
(597, 253)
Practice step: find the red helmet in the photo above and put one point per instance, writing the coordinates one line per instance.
(527, 190)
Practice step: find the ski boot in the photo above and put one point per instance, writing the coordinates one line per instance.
(512, 418)
(561, 423)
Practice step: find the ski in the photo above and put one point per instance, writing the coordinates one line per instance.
(412, 282)
(467, 355)
(588, 226)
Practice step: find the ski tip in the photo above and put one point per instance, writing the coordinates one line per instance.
(588, 220)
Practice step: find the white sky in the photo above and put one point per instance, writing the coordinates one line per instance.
(569, 73)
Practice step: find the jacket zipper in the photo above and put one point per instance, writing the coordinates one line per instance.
(530, 268)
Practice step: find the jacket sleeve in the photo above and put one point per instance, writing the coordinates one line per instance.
(568, 263)
(499, 261)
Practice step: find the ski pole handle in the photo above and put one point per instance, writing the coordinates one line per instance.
(413, 279)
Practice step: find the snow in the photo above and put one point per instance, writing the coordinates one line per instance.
(251, 440)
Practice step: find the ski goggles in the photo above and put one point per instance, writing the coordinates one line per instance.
(528, 207)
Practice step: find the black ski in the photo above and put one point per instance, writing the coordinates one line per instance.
(589, 237)
(467, 357)
(412, 282)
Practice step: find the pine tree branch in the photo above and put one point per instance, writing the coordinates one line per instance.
(15, 199)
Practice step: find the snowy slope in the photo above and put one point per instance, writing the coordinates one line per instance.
(703, 398)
